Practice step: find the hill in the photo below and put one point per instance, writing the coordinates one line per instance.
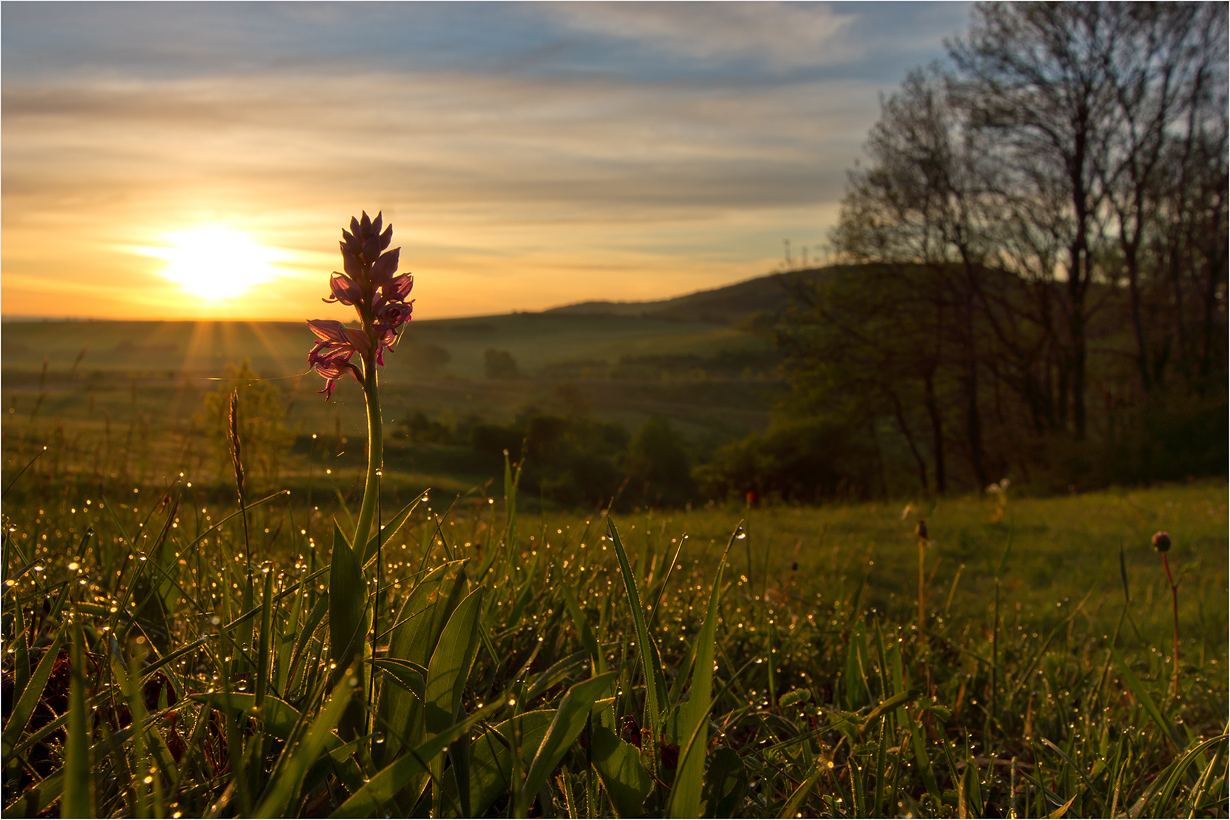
(720, 306)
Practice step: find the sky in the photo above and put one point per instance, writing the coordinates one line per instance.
(198, 160)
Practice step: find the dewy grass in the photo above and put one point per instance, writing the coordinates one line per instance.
(512, 664)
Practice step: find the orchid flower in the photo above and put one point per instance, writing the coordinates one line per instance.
(369, 283)
(378, 294)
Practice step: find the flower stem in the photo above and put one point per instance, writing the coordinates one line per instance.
(1174, 603)
(375, 458)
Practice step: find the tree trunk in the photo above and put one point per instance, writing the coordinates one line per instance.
(937, 433)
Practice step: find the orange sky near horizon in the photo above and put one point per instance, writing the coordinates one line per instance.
(199, 160)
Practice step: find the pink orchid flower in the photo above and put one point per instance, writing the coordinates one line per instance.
(378, 294)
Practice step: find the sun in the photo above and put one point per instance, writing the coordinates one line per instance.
(215, 264)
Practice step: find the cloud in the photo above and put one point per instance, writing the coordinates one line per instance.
(780, 35)
(528, 154)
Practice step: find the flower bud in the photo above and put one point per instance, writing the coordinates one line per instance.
(1161, 541)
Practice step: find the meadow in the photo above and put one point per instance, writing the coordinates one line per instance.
(170, 653)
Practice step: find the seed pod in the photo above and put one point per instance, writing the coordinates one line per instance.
(921, 530)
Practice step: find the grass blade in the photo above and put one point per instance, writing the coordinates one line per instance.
(377, 792)
(78, 799)
(619, 766)
(569, 720)
(19, 718)
(689, 778)
(284, 789)
(655, 680)
(800, 794)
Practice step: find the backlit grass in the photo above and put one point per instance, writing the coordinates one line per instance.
(147, 674)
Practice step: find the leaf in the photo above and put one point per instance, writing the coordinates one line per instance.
(491, 759)
(30, 696)
(655, 680)
(1062, 810)
(347, 602)
(725, 783)
(278, 717)
(689, 779)
(800, 794)
(410, 675)
(446, 679)
(619, 766)
(450, 665)
(389, 530)
(78, 799)
(1146, 701)
(413, 639)
(309, 629)
(287, 786)
(899, 699)
(378, 791)
(570, 719)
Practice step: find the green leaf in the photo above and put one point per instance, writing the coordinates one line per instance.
(389, 530)
(347, 602)
(655, 680)
(287, 786)
(78, 799)
(800, 794)
(19, 718)
(1146, 701)
(263, 668)
(278, 717)
(725, 783)
(372, 797)
(619, 766)
(570, 719)
(450, 665)
(689, 779)
(305, 636)
(579, 621)
(491, 759)
(446, 679)
(418, 626)
(410, 675)
(21, 656)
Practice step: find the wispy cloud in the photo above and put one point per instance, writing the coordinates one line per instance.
(777, 35)
(549, 153)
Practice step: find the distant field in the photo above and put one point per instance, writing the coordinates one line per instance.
(161, 371)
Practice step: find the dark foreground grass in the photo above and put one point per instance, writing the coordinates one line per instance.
(565, 666)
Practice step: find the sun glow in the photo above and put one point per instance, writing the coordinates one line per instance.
(215, 264)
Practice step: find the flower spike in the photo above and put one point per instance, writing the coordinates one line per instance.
(372, 286)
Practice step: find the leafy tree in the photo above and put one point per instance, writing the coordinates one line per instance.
(500, 364)
(659, 465)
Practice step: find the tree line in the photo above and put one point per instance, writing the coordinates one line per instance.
(1036, 245)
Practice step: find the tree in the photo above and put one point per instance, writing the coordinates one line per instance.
(658, 462)
(1038, 77)
(921, 202)
(500, 364)
(867, 343)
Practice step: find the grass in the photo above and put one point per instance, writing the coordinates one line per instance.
(91, 378)
(569, 665)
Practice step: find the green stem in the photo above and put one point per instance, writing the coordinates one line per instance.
(375, 458)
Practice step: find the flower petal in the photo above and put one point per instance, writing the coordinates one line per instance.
(399, 287)
(385, 267)
(330, 329)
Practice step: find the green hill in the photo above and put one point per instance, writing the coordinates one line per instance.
(723, 306)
